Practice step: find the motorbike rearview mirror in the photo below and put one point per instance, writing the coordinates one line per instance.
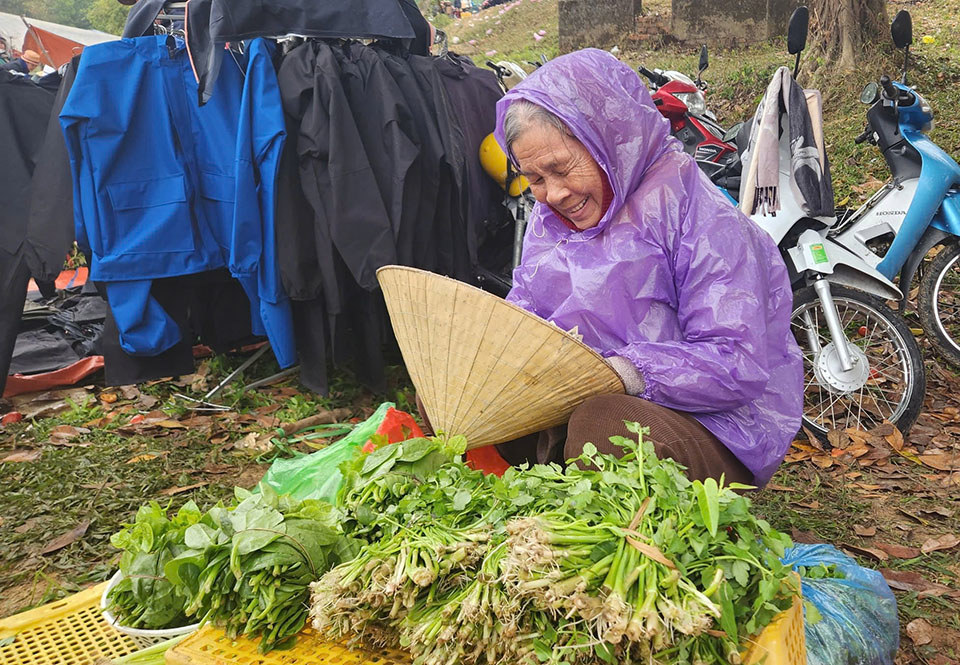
(797, 35)
(902, 32)
(902, 29)
(702, 66)
(871, 93)
(797, 30)
(731, 134)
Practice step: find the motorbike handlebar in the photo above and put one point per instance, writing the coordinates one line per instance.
(867, 133)
(657, 79)
(888, 89)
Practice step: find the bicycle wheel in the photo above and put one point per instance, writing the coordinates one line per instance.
(888, 379)
(939, 302)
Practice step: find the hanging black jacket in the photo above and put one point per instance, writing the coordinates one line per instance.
(448, 235)
(24, 113)
(336, 175)
(50, 222)
(473, 93)
(386, 128)
(428, 164)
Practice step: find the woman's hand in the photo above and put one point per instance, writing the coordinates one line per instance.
(628, 373)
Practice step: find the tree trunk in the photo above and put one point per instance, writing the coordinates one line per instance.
(841, 30)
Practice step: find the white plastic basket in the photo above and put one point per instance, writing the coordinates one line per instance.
(141, 636)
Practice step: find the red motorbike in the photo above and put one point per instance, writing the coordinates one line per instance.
(682, 101)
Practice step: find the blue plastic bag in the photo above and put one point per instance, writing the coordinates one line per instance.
(859, 624)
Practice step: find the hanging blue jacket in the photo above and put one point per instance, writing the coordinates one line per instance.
(164, 187)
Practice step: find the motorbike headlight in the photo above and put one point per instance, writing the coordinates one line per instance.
(695, 102)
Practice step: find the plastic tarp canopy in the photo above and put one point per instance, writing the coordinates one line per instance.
(55, 43)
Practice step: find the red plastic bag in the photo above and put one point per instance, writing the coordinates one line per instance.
(488, 460)
(399, 426)
(396, 426)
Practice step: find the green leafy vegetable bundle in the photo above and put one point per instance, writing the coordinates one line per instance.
(144, 598)
(622, 560)
(248, 568)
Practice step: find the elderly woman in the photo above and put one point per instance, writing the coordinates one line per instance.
(630, 243)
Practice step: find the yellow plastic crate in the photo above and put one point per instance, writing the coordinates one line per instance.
(783, 642)
(209, 646)
(68, 632)
(780, 643)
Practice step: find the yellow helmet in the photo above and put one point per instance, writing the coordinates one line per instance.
(494, 162)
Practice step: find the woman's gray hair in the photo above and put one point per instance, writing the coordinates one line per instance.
(521, 115)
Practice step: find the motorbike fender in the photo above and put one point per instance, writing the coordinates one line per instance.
(937, 175)
(815, 253)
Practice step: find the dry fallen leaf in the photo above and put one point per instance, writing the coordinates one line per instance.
(865, 531)
(170, 491)
(941, 461)
(943, 542)
(899, 551)
(823, 461)
(108, 398)
(905, 580)
(166, 423)
(778, 488)
(943, 511)
(877, 554)
(145, 457)
(838, 438)
(813, 440)
(920, 632)
(22, 456)
(895, 439)
(252, 442)
(147, 401)
(71, 536)
(129, 392)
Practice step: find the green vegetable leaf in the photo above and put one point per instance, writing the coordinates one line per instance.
(707, 498)
(251, 540)
(604, 651)
(380, 456)
(199, 536)
(461, 499)
(184, 569)
(415, 449)
(811, 615)
(728, 617)
(741, 572)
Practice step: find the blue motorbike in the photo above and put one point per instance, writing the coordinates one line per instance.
(917, 210)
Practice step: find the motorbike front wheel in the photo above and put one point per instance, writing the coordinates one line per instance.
(939, 302)
(888, 380)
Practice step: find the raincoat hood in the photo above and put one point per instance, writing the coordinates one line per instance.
(673, 278)
(590, 91)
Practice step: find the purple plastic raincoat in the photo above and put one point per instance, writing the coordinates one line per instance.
(673, 278)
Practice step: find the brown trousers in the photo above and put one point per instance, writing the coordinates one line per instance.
(674, 434)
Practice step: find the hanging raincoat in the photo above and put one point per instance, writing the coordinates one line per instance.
(673, 278)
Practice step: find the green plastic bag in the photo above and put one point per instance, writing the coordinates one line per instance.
(317, 475)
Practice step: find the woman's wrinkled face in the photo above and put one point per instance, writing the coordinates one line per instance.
(562, 173)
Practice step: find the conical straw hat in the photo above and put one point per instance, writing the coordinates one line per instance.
(485, 368)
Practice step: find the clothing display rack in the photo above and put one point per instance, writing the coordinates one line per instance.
(268, 188)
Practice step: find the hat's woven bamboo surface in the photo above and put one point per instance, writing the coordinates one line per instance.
(485, 368)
